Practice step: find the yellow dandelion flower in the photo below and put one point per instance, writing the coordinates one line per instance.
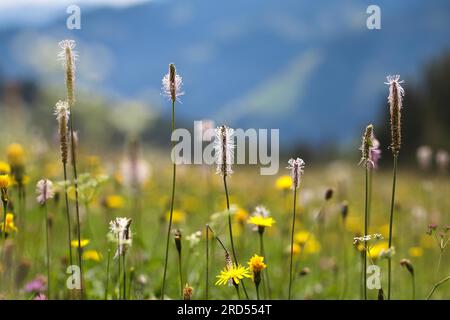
(9, 227)
(261, 221)
(256, 264)
(426, 241)
(284, 183)
(312, 246)
(4, 168)
(93, 255)
(15, 154)
(302, 237)
(232, 274)
(375, 250)
(114, 201)
(241, 215)
(178, 216)
(296, 249)
(83, 243)
(415, 252)
(354, 224)
(5, 181)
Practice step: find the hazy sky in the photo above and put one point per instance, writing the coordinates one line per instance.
(49, 3)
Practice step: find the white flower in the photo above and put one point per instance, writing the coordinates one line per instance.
(387, 253)
(67, 46)
(171, 84)
(44, 189)
(194, 238)
(224, 150)
(367, 238)
(134, 172)
(261, 211)
(442, 160)
(296, 166)
(121, 229)
(424, 156)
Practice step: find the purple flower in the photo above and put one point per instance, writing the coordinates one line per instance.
(40, 296)
(37, 285)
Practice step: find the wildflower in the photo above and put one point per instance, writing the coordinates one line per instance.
(15, 154)
(114, 201)
(120, 228)
(224, 150)
(232, 275)
(302, 237)
(178, 216)
(408, 265)
(415, 252)
(261, 221)
(68, 57)
(329, 194)
(62, 113)
(367, 146)
(304, 272)
(44, 189)
(8, 227)
(194, 238)
(83, 243)
(424, 156)
(442, 160)
(387, 253)
(92, 255)
(4, 168)
(37, 285)
(344, 210)
(375, 152)
(256, 265)
(396, 93)
(187, 292)
(284, 183)
(171, 84)
(375, 250)
(241, 215)
(297, 166)
(40, 296)
(5, 181)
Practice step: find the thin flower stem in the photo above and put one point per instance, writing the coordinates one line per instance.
(77, 206)
(257, 291)
(69, 228)
(124, 278)
(207, 262)
(238, 293)
(48, 250)
(391, 220)
(438, 266)
(266, 275)
(5, 208)
(119, 271)
(437, 285)
(171, 207)
(292, 244)
(107, 275)
(366, 231)
(181, 274)
(231, 229)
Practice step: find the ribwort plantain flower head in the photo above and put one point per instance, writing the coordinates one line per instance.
(121, 230)
(68, 56)
(171, 84)
(44, 190)
(224, 150)
(297, 167)
(369, 148)
(395, 98)
(62, 113)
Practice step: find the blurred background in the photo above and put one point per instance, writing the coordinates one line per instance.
(309, 68)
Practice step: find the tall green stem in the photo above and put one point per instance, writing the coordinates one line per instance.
(207, 262)
(69, 228)
(292, 244)
(366, 231)
(180, 269)
(437, 285)
(107, 274)
(230, 228)
(391, 221)
(124, 278)
(171, 206)
(48, 250)
(77, 206)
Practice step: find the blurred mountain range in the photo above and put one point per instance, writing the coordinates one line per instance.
(310, 68)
